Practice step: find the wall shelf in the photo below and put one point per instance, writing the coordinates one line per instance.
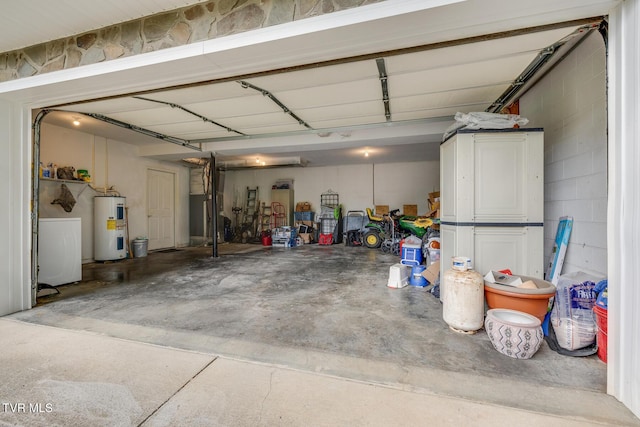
(64, 181)
(68, 181)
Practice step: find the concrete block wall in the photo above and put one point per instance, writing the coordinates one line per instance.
(570, 104)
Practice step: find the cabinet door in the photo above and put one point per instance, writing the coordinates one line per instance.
(508, 177)
(456, 179)
(519, 249)
(516, 248)
(455, 241)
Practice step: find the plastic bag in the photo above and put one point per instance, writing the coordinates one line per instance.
(66, 172)
(572, 315)
(602, 291)
(65, 199)
(482, 120)
(413, 240)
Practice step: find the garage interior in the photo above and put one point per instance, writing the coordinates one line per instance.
(366, 127)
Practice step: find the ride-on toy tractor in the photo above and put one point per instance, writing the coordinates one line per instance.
(387, 231)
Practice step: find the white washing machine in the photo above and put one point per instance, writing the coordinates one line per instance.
(59, 251)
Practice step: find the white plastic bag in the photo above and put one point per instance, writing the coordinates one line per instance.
(482, 120)
(413, 241)
(572, 315)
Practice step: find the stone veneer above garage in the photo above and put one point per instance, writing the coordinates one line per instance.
(191, 24)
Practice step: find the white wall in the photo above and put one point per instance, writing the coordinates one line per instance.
(111, 164)
(623, 351)
(15, 258)
(358, 186)
(570, 104)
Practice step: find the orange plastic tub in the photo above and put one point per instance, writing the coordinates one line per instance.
(532, 301)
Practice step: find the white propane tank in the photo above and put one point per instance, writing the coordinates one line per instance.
(463, 302)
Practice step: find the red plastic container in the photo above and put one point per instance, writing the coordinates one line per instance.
(326, 239)
(601, 321)
(266, 240)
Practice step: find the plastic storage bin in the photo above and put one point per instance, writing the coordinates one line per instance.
(303, 216)
(140, 248)
(411, 254)
(601, 338)
(416, 276)
(399, 276)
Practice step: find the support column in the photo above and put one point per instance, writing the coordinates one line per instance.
(214, 206)
(623, 230)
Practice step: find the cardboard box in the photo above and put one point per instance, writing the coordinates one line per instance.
(433, 198)
(410, 210)
(382, 209)
(303, 207)
(306, 237)
(432, 272)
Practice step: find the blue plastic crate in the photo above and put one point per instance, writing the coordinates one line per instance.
(303, 216)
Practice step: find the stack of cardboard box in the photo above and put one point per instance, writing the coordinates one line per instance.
(304, 221)
(434, 205)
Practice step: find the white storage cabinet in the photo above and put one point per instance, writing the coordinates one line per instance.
(492, 200)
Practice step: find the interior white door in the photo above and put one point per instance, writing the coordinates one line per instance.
(161, 209)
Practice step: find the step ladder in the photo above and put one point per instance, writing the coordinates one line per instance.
(251, 203)
(250, 208)
(264, 218)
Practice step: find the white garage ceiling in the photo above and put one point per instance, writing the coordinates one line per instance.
(335, 110)
(422, 86)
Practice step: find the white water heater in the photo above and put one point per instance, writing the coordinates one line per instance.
(110, 228)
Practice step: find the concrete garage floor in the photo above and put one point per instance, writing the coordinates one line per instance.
(319, 318)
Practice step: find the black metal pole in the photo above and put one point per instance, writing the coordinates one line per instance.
(35, 204)
(214, 206)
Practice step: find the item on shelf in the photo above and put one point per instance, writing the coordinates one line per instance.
(45, 172)
(303, 206)
(66, 172)
(283, 184)
(83, 175)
